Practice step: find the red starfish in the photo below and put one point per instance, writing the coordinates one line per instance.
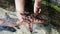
(30, 20)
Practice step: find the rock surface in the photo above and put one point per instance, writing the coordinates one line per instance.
(37, 28)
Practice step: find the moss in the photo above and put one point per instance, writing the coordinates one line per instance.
(52, 5)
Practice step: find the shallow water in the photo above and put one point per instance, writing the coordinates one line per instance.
(37, 28)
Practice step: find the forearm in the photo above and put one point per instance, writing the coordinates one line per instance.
(37, 6)
(19, 5)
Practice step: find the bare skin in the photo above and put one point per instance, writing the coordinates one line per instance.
(19, 4)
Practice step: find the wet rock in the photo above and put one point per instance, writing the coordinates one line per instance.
(7, 28)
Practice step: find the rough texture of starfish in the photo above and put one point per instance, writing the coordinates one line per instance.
(30, 20)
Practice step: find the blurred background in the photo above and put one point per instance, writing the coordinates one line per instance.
(50, 10)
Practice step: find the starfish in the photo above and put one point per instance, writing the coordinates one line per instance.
(30, 20)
